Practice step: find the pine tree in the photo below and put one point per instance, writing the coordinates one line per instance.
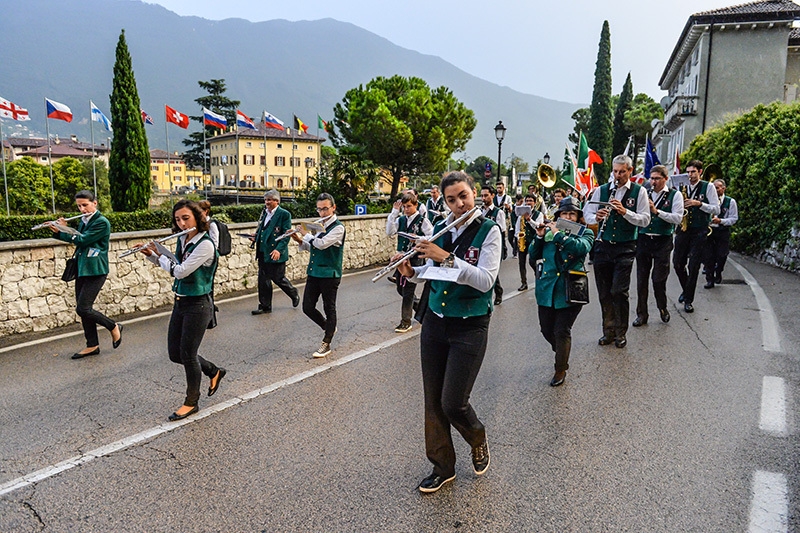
(129, 161)
(622, 133)
(600, 133)
(217, 103)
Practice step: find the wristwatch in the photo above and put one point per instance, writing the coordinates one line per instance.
(449, 261)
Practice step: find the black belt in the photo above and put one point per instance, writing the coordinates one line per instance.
(653, 237)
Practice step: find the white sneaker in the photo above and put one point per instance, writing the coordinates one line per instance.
(323, 350)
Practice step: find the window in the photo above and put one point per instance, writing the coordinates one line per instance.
(248, 144)
(279, 184)
(310, 162)
(261, 145)
(176, 169)
(279, 146)
(280, 161)
(249, 160)
(294, 147)
(310, 148)
(263, 161)
(294, 161)
(154, 167)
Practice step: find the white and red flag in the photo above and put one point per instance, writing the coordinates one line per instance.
(176, 117)
(58, 111)
(12, 111)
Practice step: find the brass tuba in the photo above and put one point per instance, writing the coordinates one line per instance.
(546, 176)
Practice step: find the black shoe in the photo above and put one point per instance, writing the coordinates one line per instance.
(621, 342)
(558, 378)
(639, 321)
(718, 278)
(664, 315)
(434, 482)
(260, 311)
(117, 342)
(87, 354)
(175, 416)
(688, 308)
(480, 458)
(605, 340)
(680, 299)
(296, 300)
(709, 285)
(392, 279)
(220, 374)
(523, 287)
(498, 301)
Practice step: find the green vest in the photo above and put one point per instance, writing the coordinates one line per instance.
(327, 263)
(658, 226)
(415, 228)
(199, 282)
(617, 229)
(698, 218)
(91, 245)
(454, 300)
(724, 206)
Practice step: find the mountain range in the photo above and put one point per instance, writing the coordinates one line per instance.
(64, 50)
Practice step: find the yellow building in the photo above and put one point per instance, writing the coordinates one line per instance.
(172, 174)
(264, 158)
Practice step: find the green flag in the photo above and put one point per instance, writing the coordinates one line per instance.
(583, 151)
(568, 172)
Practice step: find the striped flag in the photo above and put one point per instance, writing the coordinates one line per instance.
(58, 111)
(271, 121)
(214, 120)
(243, 121)
(321, 123)
(98, 116)
(147, 119)
(12, 111)
(299, 125)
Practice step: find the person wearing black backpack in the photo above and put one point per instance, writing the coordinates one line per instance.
(272, 254)
(221, 237)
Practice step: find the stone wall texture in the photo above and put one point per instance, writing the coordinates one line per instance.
(787, 256)
(33, 297)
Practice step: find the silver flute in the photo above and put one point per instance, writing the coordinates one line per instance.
(411, 253)
(51, 222)
(162, 240)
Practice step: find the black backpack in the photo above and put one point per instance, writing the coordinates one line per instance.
(224, 246)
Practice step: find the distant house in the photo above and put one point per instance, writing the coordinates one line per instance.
(727, 61)
(265, 158)
(169, 172)
(17, 147)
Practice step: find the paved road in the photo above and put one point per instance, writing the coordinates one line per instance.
(689, 428)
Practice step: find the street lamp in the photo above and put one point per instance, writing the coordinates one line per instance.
(309, 164)
(499, 133)
(546, 158)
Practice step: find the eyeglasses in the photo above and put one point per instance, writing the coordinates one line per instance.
(321, 209)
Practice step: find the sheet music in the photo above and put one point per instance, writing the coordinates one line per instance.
(66, 229)
(440, 273)
(522, 210)
(164, 251)
(313, 228)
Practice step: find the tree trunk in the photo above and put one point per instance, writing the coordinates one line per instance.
(396, 175)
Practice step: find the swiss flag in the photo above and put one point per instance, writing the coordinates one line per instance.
(176, 117)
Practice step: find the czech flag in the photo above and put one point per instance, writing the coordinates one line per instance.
(271, 121)
(214, 120)
(58, 111)
(243, 121)
(176, 117)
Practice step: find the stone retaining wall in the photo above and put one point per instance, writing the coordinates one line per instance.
(786, 257)
(34, 298)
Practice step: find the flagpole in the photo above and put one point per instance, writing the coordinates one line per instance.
(169, 169)
(50, 156)
(292, 161)
(237, 161)
(5, 179)
(91, 127)
(205, 155)
(266, 176)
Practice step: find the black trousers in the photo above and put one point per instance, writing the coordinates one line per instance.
(86, 290)
(187, 325)
(556, 327)
(652, 253)
(267, 273)
(613, 264)
(407, 290)
(717, 249)
(523, 267)
(327, 288)
(512, 241)
(689, 250)
(451, 352)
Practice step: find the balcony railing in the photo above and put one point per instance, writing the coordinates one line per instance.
(681, 106)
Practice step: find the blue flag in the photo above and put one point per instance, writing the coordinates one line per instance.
(650, 159)
(98, 116)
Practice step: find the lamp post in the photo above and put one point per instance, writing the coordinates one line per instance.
(546, 158)
(309, 164)
(499, 133)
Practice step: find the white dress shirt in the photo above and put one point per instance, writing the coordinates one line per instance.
(731, 217)
(322, 241)
(393, 223)
(202, 255)
(675, 214)
(640, 217)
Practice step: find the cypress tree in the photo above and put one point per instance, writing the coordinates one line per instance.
(600, 133)
(621, 132)
(129, 161)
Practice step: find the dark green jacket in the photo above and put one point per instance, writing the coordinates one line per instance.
(280, 223)
(551, 286)
(91, 246)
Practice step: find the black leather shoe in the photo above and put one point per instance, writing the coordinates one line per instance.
(639, 321)
(79, 355)
(523, 287)
(392, 279)
(260, 311)
(621, 342)
(498, 301)
(117, 342)
(605, 340)
(688, 308)
(434, 482)
(664, 315)
(175, 416)
(558, 378)
(680, 299)
(709, 285)
(296, 300)
(480, 458)
(718, 278)
(220, 374)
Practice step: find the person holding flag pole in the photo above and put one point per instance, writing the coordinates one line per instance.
(14, 112)
(97, 116)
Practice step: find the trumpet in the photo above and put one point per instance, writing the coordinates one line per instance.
(51, 222)
(162, 240)
(293, 231)
(411, 253)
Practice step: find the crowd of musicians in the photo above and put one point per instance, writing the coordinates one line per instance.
(452, 245)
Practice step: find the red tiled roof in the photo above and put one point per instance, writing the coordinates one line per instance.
(58, 150)
(155, 153)
(271, 133)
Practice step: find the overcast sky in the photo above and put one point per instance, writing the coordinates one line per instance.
(546, 48)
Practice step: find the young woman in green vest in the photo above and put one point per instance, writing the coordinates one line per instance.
(194, 278)
(559, 253)
(91, 253)
(455, 329)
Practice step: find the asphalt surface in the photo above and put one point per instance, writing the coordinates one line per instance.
(660, 436)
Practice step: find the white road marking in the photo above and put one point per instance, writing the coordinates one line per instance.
(773, 405)
(769, 511)
(770, 330)
(127, 442)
